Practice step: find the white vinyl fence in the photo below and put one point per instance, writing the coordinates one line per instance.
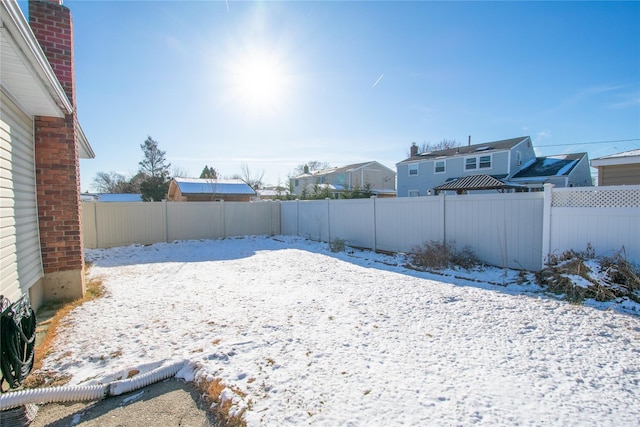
(109, 224)
(501, 229)
(517, 230)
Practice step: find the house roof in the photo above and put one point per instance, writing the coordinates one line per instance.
(465, 150)
(474, 182)
(27, 75)
(213, 186)
(343, 169)
(559, 165)
(624, 158)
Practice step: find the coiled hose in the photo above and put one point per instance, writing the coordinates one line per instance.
(17, 340)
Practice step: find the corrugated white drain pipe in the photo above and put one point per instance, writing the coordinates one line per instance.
(86, 393)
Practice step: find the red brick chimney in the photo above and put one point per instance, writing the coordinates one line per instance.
(57, 165)
(414, 150)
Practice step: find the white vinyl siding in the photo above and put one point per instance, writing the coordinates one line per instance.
(20, 258)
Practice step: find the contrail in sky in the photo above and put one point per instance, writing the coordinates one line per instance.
(377, 81)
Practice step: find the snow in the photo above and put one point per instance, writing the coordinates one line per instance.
(312, 337)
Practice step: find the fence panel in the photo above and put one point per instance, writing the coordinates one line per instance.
(608, 218)
(120, 224)
(195, 220)
(406, 222)
(352, 220)
(243, 219)
(289, 218)
(503, 229)
(313, 219)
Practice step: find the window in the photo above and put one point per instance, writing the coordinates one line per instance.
(518, 158)
(481, 162)
(485, 162)
(296, 183)
(413, 169)
(414, 193)
(439, 166)
(470, 163)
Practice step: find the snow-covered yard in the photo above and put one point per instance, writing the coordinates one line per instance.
(318, 338)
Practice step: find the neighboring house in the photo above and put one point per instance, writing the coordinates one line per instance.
(618, 169)
(111, 197)
(374, 176)
(41, 141)
(272, 193)
(209, 190)
(563, 170)
(508, 165)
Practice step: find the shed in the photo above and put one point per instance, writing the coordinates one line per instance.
(618, 169)
(209, 190)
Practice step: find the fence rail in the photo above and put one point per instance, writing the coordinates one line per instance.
(508, 230)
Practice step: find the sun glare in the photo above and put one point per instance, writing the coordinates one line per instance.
(259, 82)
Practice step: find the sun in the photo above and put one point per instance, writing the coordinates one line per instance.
(259, 82)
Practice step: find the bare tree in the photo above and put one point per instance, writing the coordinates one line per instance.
(444, 144)
(251, 178)
(310, 166)
(179, 172)
(106, 182)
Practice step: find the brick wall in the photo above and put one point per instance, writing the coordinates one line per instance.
(58, 191)
(56, 160)
(53, 27)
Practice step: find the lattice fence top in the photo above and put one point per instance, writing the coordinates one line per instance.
(596, 197)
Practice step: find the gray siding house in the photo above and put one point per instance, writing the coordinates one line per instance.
(380, 180)
(506, 165)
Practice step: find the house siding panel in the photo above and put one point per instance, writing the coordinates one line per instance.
(619, 175)
(20, 262)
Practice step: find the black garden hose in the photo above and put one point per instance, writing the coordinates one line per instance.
(17, 340)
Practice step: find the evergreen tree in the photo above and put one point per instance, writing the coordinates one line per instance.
(209, 173)
(155, 169)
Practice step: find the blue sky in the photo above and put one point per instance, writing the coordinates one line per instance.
(275, 84)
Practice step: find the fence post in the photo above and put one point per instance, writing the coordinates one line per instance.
(328, 221)
(443, 212)
(222, 214)
(373, 201)
(297, 217)
(95, 221)
(166, 221)
(546, 223)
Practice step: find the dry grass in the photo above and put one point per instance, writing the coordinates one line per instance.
(616, 277)
(212, 391)
(38, 377)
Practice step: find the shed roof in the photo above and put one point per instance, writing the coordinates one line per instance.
(624, 158)
(213, 186)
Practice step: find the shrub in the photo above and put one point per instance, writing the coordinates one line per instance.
(615, 276)
(337, 245)
(437, 255)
